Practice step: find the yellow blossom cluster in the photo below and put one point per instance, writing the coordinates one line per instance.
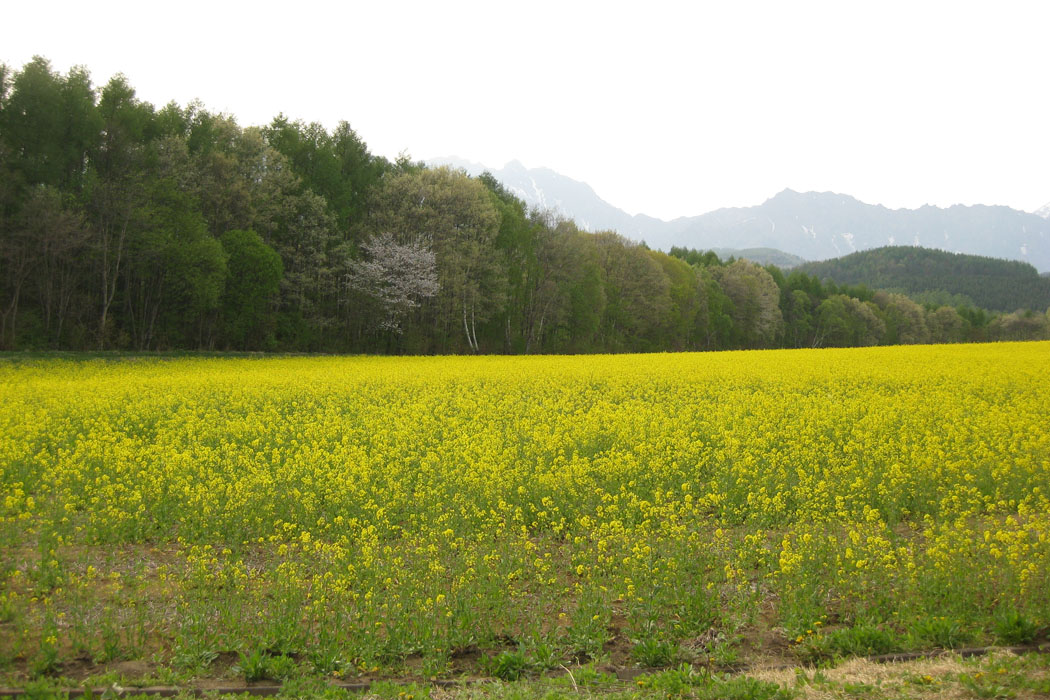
(389, 506)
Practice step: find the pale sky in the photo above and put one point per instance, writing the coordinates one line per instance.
(666, 108)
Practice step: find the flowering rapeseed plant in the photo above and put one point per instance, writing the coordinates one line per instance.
(372, 508)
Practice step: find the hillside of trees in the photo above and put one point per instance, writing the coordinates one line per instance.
(127, 226)
(989, 283)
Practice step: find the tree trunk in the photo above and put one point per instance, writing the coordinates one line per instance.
(473, 328)
(466, 328)
(109, 286)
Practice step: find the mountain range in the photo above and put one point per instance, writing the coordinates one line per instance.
(810, 225)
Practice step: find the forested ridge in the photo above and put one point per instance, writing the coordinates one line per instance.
(126, 226)
(988, 283)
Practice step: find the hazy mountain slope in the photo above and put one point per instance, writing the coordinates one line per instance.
(762, 256)
(811, 225)
(818, 226)
(543, 188)
(1000, 285)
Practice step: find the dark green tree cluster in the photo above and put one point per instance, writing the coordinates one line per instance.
(127, 226)
(940, 277)
(124, 226)
(825, 314)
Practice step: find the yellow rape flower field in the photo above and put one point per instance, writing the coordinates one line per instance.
(498, 516)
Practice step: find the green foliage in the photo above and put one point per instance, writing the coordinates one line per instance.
(637, 295)
(863, 640)
(1001, 285)
(46, 660)
(588, 676)
(50, 124)
(844, 321)
(508, 665)
(696, 257)
(253, 666)
(655, 653)
(859, 640)
(746, 688)
(1013, 627)
(253, 281)
(755, 303)
(124, 226)
(543, 655)
(45, 689)
(678, 331)
(725, 654)
(193, 659)
(48, 573)
(939, 631)
(461, 222)
(699, 683)
(336, 166)
(985, 687)
(259, 665)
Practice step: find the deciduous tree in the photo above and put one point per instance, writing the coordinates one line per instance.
(253, 280)
(755, 299)
(458, 215)
(396, 275)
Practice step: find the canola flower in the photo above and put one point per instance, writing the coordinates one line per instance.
(379, 507)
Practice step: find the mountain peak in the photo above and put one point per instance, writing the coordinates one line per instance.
(811, 225)
(543, 188)
(785, 195)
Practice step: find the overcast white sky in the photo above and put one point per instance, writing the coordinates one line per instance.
(670, 109)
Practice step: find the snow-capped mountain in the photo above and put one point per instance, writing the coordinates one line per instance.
(1043, 211)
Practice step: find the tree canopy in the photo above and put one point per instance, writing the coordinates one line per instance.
(125, 226)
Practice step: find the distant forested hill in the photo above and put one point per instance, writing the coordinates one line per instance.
(989, 283)
(762, 256)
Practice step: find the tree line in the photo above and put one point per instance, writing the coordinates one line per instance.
(126, 226)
